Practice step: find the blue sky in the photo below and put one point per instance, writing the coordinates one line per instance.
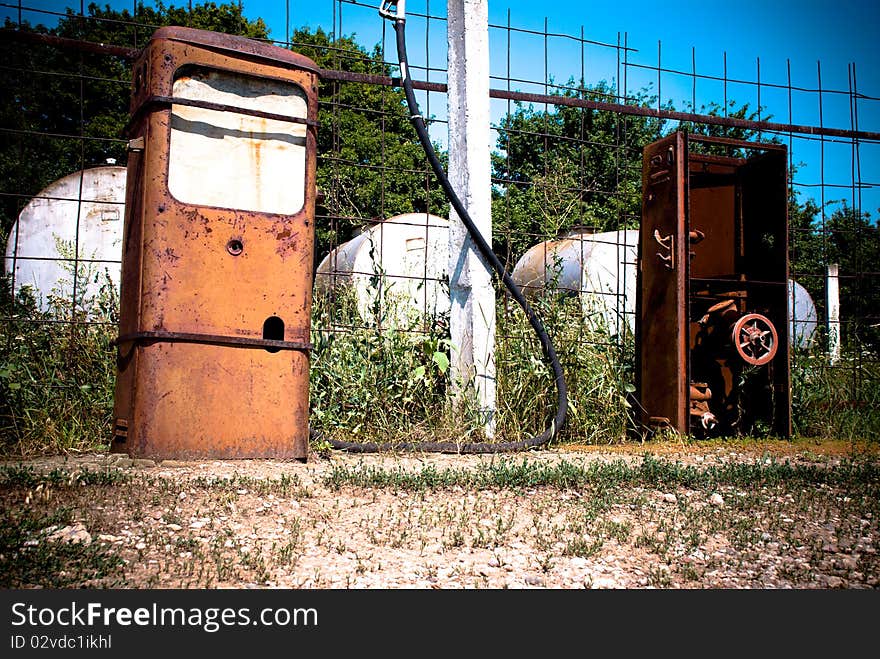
(781, 34)
(789, 38)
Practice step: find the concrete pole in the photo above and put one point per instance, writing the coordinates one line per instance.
(472, 295)
(832, 299)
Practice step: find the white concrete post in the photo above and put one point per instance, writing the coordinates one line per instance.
(472, 296)
(832, 299)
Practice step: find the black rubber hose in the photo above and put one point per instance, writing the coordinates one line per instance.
(489, 255)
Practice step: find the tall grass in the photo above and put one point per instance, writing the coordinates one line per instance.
(597, 369)
(838, 400)
(382, 383)
(57, 367)
(386, 382)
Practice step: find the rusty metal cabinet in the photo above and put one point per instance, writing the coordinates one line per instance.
(213, 347)
(712, 347)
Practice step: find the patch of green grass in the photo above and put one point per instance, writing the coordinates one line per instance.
(57, 367)
(651, 472)
(597, 367)
(840, 400)
(28, 477)
(283, 485)
(28, 559)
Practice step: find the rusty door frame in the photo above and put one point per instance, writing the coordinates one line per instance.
(664, 167)
(663, 404)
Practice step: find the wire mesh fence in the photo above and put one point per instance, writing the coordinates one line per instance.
(571, 115)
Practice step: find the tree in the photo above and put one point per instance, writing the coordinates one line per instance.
(851, 239)
(61, 112)
(567, 166)
(370, 162)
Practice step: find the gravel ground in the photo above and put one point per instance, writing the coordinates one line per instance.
(274, 524)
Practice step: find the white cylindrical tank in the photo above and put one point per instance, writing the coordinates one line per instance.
(83, 210)
(601, 268)
(802, 313)
(397, 266)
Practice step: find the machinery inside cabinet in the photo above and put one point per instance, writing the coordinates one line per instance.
(217, 266)
(712, 345)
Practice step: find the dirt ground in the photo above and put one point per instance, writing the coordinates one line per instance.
(320, 524)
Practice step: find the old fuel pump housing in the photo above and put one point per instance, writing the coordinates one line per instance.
(215, 313)
(712, 345)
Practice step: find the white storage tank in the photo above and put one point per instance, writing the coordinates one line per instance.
(397, 267)
(84, 209)
(598, 266)
(601, 268)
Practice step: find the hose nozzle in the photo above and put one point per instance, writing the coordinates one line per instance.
(393, 10)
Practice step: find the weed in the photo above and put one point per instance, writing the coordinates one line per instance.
(651, 471)
(30, 559)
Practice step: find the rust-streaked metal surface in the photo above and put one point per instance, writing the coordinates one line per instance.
(724, 294)
(215, 301)
(661, 327)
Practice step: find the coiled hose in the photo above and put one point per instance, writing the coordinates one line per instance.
(399, 19)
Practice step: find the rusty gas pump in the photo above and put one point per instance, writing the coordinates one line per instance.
(712, 347)
(213, 346)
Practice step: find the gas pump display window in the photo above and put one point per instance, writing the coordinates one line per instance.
(233, 160)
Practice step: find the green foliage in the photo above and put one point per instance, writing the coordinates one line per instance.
(850, 239)
(597, 370)
(728, 132)
(386, 384)
(568, 166)
(53, 98)
(370, 165)
(57, 372)
(835, 401)
(856, 476)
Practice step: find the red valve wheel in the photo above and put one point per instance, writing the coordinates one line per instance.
(755, 339)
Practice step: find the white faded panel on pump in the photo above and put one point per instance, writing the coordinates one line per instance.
(398, 266)
(85, 208)
(232, 160)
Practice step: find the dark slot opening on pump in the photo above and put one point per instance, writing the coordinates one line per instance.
(273, 330)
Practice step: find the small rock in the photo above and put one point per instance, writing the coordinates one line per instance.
(849, 563)
(141, 545)
(833, 582)
(173, 463)
(143, 462)
(670, 498)
(716, 499)
(182, 496)
(75, 533)
(532, 580)
(106, 537)
(174, 527)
